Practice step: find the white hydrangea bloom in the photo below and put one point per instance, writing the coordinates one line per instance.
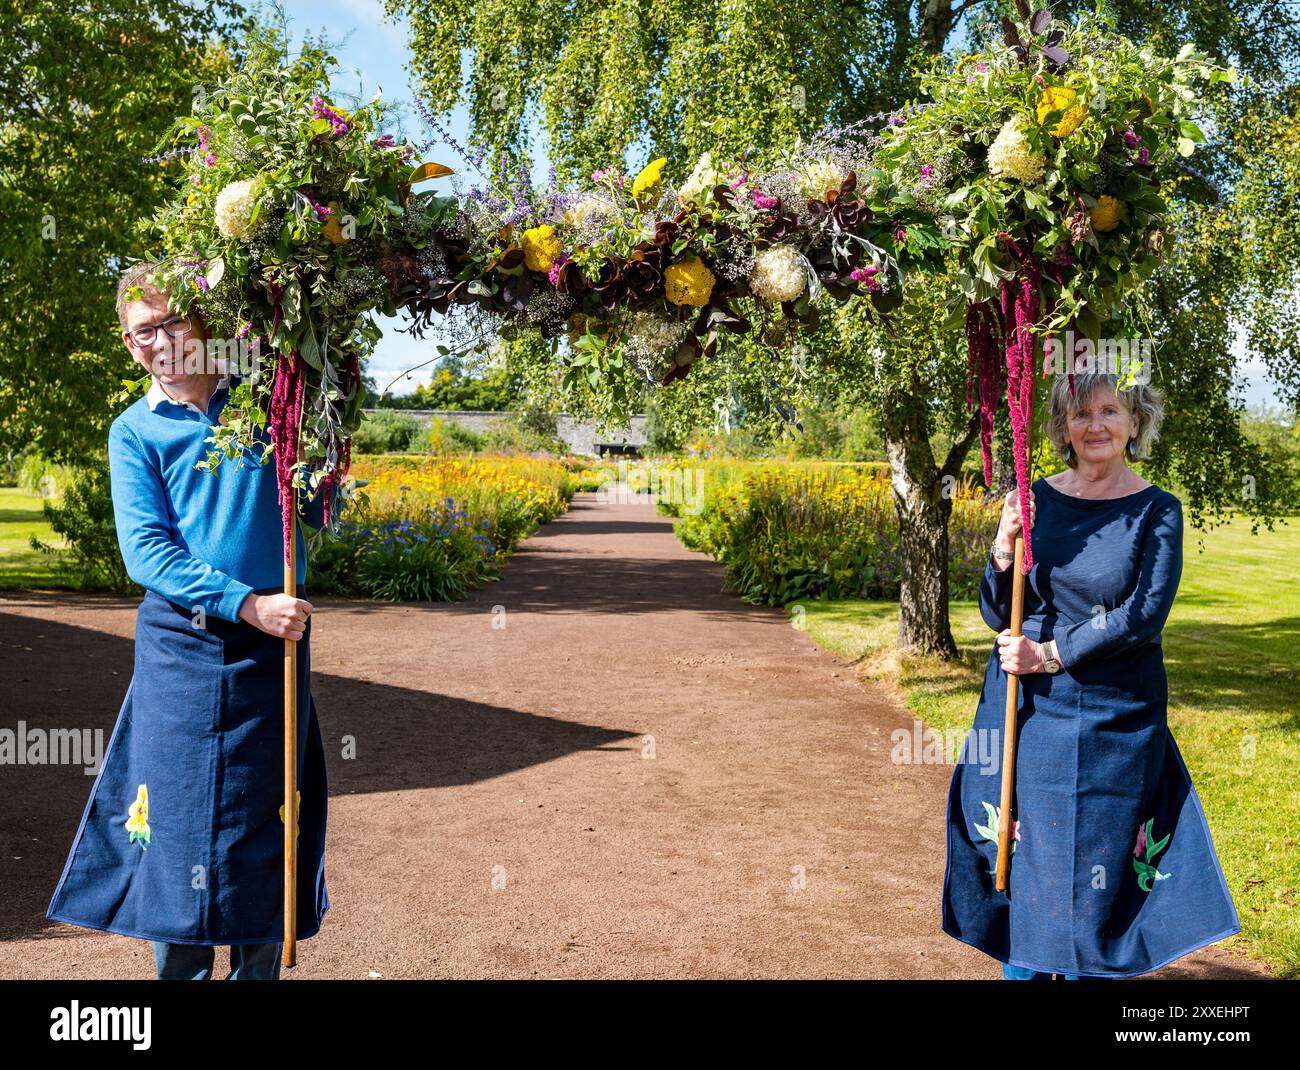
(820, 176)
(234, 210)
(778, 274)
(1010, 155)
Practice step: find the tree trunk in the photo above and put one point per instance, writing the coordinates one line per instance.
(1004, 478)
(923, 502)
(936, 23)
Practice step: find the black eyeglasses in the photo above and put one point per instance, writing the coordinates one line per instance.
(174, 328)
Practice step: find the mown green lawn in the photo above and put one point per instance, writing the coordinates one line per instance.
(1232, 648)
(21, 567)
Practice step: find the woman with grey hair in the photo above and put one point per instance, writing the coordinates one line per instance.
(1113, 872)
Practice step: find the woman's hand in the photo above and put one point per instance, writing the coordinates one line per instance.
(1009, 524)
(280, 615)
(1019, 654)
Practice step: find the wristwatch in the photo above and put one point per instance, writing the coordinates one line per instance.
(1050, 662)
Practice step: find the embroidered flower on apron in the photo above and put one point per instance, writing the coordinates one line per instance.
(137, 824)
(990, 830)
(297, 812)
(1148, 844)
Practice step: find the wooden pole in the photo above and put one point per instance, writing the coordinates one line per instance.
(291, 762)
(1009, 726)
(1010, 722)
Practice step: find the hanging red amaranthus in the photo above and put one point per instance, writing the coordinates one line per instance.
(983, 342)
(284, 420)
(1021, 301)
(350, 379)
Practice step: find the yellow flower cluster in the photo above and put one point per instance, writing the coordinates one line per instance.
(541, 247)
(1058, 98)
(689, 282)
(1106, 215)
(649, 180)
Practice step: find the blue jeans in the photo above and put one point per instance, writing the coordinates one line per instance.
(193, 962)
(1021, 973)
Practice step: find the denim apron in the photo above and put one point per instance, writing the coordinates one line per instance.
(182, 839)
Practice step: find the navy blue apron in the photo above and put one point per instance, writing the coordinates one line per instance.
(182, 839)
(1113, 870)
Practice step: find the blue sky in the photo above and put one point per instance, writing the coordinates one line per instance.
(373, 53)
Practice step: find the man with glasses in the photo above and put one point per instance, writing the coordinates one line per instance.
(181, 841)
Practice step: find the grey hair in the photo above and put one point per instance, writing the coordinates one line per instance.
(1141, 398)
(136, 277)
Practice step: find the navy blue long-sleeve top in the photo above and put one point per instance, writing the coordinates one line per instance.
(1104, 577)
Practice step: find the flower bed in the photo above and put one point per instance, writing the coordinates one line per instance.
(432, 529)
(786, 532)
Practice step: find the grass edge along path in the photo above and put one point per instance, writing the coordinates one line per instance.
(1231, 652)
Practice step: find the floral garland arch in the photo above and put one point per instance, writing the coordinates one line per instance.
(1038, 167)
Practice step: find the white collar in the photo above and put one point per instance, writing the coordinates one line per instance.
(157, 395)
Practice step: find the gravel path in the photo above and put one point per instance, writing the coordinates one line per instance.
(601, 766)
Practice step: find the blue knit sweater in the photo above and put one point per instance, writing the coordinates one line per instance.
(196, 538)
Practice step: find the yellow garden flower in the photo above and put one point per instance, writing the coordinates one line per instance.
(689, 282)
(1056, 98)
(647, 182)
(332, 230)
(541, 247)
(137, 824)
(1106, 215)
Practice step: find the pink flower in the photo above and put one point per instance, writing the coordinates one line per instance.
(900, 234)
(1141, 844)
(1132, 139)
(763, 201)
(981, 67)
(867, 276)
(554, 273)
(1015, 830)
(1144, 156)
(321, 110)
(210, 159)
(741, 180)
